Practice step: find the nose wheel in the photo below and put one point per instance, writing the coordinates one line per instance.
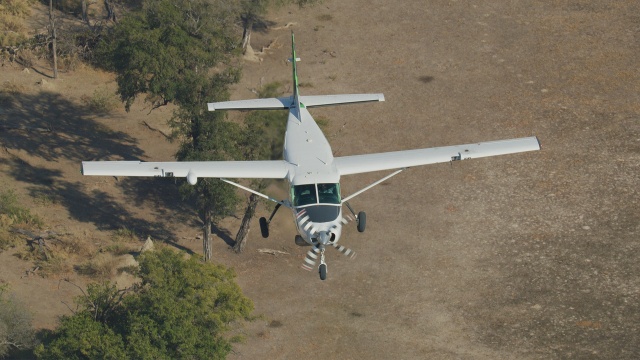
(322, 270)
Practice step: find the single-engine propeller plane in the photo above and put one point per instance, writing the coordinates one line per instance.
(310, 168)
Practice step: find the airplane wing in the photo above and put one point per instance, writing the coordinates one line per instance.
(268, 169)
(356, 164)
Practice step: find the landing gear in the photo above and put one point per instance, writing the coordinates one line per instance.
(264, 227)
(323, 271)
(362, 221)
(361, 218)
(264, 223)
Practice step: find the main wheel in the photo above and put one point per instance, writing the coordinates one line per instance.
(323, 271)
(362, 221)
(264, 227)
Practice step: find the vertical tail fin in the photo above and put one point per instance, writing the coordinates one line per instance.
(294, 59)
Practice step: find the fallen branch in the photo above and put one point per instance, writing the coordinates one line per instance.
(30, 272)
(39, 239)
(272, 252)
(288, 25)
(154, 129)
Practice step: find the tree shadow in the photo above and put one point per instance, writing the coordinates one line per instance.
(48, 126)
(223, 234)
(90, 206)
(262, 25)
(161, 195)
(51, 127)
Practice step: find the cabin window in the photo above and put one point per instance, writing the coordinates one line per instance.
(304, 194)
(329, 193)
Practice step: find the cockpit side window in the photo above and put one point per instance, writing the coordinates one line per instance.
(329, 193)
(304, 194)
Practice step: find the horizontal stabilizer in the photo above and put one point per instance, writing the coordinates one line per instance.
(286, 102)
(325, 100)
(252, 104)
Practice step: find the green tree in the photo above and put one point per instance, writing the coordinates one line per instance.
(168, 51)
(180, 310)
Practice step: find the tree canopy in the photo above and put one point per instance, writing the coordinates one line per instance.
(180, 310)
(180, 52)
(166, 49)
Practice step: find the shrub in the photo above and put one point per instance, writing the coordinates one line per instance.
(16, 332)
(103, 100)
(180, 310)
(16, 213)
(125, 235)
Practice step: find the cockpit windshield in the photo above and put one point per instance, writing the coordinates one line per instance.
(308, 194)
(329, 193)
(304, 194)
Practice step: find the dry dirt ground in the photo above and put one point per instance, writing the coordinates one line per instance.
(528, 256)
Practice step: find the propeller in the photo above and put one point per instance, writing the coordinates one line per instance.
(323, 239)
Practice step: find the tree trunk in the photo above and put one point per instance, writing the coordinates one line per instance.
(207, 242)
(243, 232)
(246, 33)
(85, 10)
(111, 11)
(53, 40)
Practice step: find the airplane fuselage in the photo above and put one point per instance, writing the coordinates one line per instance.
(314, 185)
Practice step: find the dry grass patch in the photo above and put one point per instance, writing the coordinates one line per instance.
(103, 100)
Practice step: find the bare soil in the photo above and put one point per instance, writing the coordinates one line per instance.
(527, 256)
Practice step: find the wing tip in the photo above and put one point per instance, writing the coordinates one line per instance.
(539, 144)
(211, 106)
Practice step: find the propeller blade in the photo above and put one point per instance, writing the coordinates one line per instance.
(310, 259)
(345, 251)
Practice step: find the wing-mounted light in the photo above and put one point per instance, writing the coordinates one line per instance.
(192, 178)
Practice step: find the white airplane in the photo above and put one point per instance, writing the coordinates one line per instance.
(310, 168)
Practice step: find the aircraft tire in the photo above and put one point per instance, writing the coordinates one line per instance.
(264, 227)
(323, 271)
(362, 221)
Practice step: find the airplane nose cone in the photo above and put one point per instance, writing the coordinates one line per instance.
(325, 237)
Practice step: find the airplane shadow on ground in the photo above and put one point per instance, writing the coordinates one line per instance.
(50, 127)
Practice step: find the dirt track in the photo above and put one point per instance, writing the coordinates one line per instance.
(515, 257)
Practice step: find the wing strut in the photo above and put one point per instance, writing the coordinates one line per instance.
(372, 185)
(255, 192)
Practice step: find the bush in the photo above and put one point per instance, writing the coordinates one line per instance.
(12, 214)
(103, 100)
(16, 213)
(180, 310)
(16, 332)
(12, 27)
